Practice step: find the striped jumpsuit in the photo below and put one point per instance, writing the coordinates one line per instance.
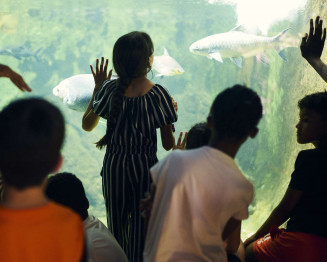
(131, 151)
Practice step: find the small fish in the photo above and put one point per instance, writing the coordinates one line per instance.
(236, 44)
(76, 91)
(165, 65)
(19, 52)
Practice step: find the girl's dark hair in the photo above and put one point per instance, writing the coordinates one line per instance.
(130, 59)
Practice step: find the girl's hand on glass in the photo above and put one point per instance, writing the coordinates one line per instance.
(100, 74)
(181, 143)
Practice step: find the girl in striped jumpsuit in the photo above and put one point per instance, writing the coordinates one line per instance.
(134, 108)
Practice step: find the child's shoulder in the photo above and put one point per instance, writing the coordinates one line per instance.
(62, 212)
(157, 87)
(306, 153)
(311, 157)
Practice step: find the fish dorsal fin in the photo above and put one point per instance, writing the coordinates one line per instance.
(216, 56)
(239, 28)
(165, 51)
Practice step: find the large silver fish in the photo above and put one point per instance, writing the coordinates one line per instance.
(236, 44)
(165, 65)
(76, 91)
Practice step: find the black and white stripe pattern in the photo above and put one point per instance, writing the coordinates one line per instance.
(131, 151)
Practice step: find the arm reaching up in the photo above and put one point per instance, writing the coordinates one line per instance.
(312, 46)
(90, 119)
(6, 71)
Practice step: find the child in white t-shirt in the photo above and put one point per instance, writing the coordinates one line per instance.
(201, 195)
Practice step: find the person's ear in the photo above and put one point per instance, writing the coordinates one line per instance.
(209, 122)
(254, 132)
(59, 164)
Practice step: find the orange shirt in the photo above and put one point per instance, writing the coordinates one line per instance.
(51, 233)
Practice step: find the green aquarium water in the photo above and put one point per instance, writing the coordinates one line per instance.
(49, 41)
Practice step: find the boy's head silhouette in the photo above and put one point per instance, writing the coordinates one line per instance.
(31, 136)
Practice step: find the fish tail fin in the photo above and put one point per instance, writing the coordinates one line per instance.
(278, 38)
(281, 35)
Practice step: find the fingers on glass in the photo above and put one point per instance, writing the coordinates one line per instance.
(97, 66)
(311, 27)
(92, 70)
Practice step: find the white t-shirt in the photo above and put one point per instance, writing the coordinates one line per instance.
(198, 191)
(101, 245)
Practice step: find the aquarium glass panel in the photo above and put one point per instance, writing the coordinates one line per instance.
(200, 48)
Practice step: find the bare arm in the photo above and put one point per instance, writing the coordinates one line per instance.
(233, 240)
(279, 215)
(167, 137)
(6, 71)
(167, 134)
(90, 119)
(320, 67)
(312, 46)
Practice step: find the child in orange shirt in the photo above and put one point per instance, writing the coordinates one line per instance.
(32, 228)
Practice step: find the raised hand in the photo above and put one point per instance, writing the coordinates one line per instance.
(312, 45)
(181, 143)
(100, 74)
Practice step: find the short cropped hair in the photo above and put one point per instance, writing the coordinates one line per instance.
(66, 189)
(316, 102)
(235, 112)
(31, 135)
(198, 136)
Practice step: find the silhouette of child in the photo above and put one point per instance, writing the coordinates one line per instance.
(32, 228)
(201, 195)
(134, 108)
(305, 237)
(66, 189)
